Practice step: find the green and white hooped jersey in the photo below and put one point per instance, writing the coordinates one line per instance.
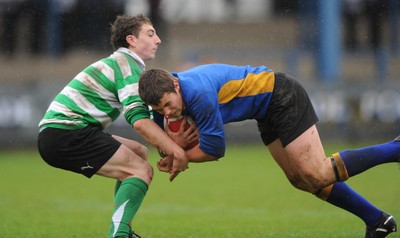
(98, 95)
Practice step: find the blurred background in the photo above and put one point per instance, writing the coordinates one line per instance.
(345, 52)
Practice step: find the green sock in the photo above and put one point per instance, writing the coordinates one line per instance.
(117, 185)
(128, 198)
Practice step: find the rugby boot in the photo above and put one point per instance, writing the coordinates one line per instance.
(385, 225)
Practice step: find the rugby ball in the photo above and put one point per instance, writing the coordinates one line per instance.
(174, 124)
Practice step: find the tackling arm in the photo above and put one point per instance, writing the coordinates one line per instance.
(152, 133)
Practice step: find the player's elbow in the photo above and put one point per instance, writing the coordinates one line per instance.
(213, 146)
(213, 157)
(199, 156)
(215, 152)
(139, 125)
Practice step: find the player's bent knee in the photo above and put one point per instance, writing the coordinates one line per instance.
(148, 174)
(299, 182)
(144, 171)
(308, 182)
(295, 181)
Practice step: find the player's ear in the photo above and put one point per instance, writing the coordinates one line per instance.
(131, 39)
(176, 85)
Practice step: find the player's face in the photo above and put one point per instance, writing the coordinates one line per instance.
(171, 104)
(146, 44)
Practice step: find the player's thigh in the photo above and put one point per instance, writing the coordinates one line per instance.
(124, 164)
(303, 157)
(135, 146)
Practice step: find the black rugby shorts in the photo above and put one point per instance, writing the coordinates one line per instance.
(290, 112)
(82, 151)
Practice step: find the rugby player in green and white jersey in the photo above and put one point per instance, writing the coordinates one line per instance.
(71, 133)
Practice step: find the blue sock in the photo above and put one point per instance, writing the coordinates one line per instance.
(359, 160)
(346, 198)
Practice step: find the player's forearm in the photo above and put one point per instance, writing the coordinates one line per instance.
(196, 155)
(153, 134)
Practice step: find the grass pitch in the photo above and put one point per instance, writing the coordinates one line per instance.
(244, 194)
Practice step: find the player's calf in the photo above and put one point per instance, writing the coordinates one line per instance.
(359, 160)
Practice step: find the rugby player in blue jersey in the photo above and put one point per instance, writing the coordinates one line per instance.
(216, 94)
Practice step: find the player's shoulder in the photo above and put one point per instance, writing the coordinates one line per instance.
(124, 64)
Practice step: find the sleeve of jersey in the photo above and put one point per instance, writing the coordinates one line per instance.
(210, 126)
(133, 106)
(136, 111)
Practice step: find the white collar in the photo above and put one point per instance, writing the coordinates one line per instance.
(134, 56)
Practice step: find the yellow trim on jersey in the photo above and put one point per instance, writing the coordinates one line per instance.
(253, 84)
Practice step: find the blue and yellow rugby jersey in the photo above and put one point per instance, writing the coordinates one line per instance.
(217, 94)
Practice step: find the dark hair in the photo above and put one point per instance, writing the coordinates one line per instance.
(154, 83)
(124, 26)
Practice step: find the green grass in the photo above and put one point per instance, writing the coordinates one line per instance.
(243, 195)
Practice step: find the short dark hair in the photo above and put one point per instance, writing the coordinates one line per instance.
(154, 83)
(126, 25)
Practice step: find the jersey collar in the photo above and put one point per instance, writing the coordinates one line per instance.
(133, 55)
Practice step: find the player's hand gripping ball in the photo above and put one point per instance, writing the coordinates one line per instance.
(174, 124)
